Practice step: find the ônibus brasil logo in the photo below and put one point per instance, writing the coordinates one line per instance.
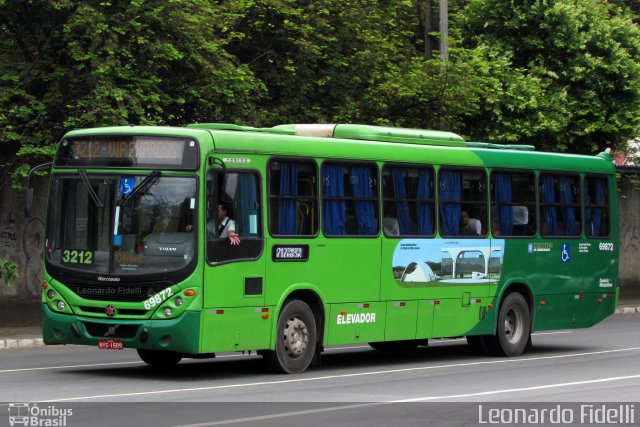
(27, 414)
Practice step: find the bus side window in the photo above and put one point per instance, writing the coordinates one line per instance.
(462, 196)
(409, 201)
(560, 205)
(596, 206)
(513, 204)
(350, 199)
(293, 197)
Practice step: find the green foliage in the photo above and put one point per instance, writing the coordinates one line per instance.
(562, 75)
(8, 271)
(68, 64)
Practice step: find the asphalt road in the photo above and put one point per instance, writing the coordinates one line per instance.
(443, 384)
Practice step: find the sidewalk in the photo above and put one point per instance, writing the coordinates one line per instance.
(20, 324)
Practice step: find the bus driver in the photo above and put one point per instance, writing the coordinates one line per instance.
(226, 226)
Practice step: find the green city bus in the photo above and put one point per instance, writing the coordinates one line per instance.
(187, 242)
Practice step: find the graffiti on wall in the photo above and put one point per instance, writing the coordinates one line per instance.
(23, 242)
(32, 250)
(8, 231)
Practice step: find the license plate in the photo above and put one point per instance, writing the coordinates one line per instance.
(104, 344)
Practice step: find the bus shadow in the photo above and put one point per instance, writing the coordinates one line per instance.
(334, 361)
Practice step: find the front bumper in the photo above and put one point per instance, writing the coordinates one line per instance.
(181, 335)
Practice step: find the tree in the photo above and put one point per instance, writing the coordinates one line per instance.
(67, 64)
(562, 75)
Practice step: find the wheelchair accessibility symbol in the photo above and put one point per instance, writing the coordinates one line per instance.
(565, 255)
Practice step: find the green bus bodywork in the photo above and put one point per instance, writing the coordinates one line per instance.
(348, 283)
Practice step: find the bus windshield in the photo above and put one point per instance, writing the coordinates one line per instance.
(104, 226)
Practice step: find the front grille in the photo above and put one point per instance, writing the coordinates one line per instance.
(123, 311)
(112, 331)
(134, 292)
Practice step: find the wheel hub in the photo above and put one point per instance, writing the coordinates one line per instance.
(513, 325)
(296, 337)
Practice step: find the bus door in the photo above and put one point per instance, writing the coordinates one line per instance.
(234, 277)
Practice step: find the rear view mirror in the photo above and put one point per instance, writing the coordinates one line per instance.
(28, 203)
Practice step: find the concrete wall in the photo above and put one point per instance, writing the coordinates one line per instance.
(629, 200)
(22, 240)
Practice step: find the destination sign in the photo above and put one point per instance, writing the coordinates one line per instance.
(128, 151)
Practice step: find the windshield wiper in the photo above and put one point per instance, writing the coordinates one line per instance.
(90, 190)
(147, 182)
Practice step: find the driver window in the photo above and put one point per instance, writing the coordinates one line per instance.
(233, 220)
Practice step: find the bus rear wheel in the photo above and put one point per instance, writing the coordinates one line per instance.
(159, 358)
(296, 339)
(513, 334)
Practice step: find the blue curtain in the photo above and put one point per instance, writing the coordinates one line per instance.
(425, 226)
(288, 187)
(549, 198)
(593, 214)
(566, 198)
(248, 204)
(365, 213)
(504, 195)
(587, 210)
(450, 197)
(333, 210)
(402, 207)
(600, 201)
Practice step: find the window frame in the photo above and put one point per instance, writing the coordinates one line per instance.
(261, 234)
(579, 204)
(316, 197)
(375, 198)
(484, 200)
(534, 204)
(432, 201)
(607, 200)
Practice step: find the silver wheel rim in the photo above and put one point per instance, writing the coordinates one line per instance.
(513, 325)
(296, 337)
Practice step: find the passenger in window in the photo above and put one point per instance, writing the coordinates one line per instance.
(495, 229)
(469, 226)
(391, 226)
(226, 226)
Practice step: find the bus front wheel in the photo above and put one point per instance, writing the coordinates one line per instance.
(296, 338)
(159, 358)
(514, 327)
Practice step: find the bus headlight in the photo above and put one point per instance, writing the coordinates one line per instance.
(179, 301)
(51, 294)
(168, 312)
(60, 305)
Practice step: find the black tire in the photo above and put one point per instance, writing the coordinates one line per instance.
(159, 358)
(296, 339)
(514, 328)
(396, 347)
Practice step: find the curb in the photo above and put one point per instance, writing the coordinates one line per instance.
(37, 342)
(627, 310)
(21, 343)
